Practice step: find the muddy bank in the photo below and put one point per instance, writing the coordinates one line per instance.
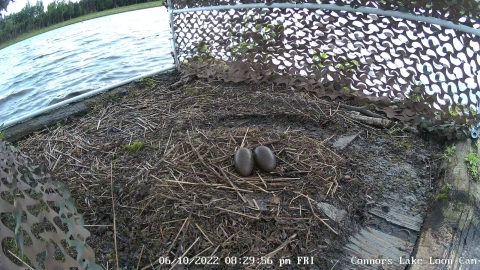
(167, 155)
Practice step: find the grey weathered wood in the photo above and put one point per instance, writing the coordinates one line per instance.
(373, 244)
(451, 231)
(399, 216)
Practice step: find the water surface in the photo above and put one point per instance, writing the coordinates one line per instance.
(81, 57)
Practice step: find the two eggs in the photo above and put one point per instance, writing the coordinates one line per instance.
(262, 157)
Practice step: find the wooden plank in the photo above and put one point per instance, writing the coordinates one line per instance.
(398, 216)
(369, 246)
(451, 235)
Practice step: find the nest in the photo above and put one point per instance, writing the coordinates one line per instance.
(177, 193)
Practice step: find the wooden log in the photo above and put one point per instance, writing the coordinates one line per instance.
(450, 237)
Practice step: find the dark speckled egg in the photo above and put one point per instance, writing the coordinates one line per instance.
(243, 161)
(264, 159)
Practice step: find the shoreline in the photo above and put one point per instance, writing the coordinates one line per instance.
(87, 17)
(73, 108)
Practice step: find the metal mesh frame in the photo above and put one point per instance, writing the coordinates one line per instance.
(424, 69)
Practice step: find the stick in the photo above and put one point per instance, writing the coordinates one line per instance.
(140, 257)
(186, 251)
(284, 244)
(206, 237)
(351, 108)
(263, 181)
(187, 183)
(168, 142)
(313, 212)
(244, 137)
(373, 121)
(231, 184)
(146, 205)
(114, 217)
(238, 213)
(176, 237)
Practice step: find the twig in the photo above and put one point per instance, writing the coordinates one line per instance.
(313, 212)
(263, 181)
(231, 184)
(206, 237)
(334, 265)
(143, 209)
(373, 121)
(176, 237)
(140, 257)
(244, 137)
(187, 183)
(238, 213)
(168, 142)
(67, 155)
(114, 217)
(186, 251)
(56, 162)
(283, 245)
(351, 108)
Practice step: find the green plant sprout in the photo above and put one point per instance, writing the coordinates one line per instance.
(444, 192)
(472, 163)
(449, 152)
(135, 146)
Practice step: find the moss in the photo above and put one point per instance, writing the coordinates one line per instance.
(147, 81)
(104, 99)
(403, 143)
(443, 196)
(135, 146)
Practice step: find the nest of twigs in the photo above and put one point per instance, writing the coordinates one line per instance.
(177, 194)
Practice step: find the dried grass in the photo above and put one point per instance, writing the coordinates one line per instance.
(179, 194)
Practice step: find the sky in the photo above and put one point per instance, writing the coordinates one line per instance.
(16, 6)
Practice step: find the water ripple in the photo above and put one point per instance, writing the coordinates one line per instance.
(81, 57)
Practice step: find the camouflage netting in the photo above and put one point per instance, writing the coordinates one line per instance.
(40, 226)
(410, 70)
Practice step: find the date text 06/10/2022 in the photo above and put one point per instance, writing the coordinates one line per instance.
(232, 260)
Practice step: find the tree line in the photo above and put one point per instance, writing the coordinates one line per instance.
(33, 17)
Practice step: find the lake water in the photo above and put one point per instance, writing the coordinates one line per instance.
(80, 57)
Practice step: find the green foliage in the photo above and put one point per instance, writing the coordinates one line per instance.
(443, 196)
(2, 133)
(243, 44)
(348, 65)
(472, 163)
(449, 152)
(135, 146)
(147, 81)
(319, 56)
